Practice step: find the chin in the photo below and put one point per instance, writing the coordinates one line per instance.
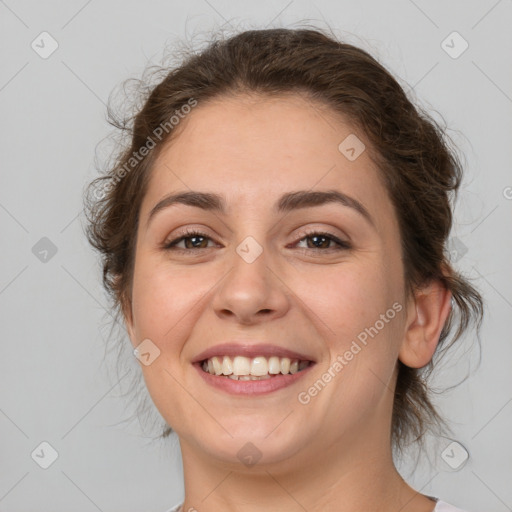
(259, 445)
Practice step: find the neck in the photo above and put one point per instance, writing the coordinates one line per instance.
(349, 477)
(350, 472)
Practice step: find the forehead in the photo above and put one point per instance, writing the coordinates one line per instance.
(253, 148)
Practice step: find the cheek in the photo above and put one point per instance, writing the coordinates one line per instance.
(166, 306)
(164, 299)
(348, 299)
(357, 312)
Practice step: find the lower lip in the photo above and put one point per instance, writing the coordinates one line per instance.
(251, 387)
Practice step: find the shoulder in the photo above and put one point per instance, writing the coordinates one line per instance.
(442, 506)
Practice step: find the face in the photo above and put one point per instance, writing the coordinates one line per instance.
(320, 281)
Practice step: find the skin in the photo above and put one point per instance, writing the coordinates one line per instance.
(334, 452)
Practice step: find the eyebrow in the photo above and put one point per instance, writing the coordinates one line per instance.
(287, 202)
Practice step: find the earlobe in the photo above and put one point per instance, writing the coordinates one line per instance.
(128, 317)
(427, 315)
(129, 328)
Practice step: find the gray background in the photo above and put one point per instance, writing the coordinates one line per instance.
(55, 384)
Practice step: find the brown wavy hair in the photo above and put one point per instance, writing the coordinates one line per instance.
(418, 164)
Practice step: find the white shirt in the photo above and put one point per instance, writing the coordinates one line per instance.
(441, 506)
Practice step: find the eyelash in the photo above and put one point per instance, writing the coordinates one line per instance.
(170, 245)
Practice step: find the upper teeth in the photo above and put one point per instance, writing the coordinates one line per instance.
(257, 366)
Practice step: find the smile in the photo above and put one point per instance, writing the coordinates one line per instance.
(244, 368)
(257, 375)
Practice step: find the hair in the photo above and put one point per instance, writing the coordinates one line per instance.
(421, 171)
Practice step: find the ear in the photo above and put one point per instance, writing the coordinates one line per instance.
(426, 316)
(126, 309)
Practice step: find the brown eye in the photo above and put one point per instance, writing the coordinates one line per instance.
(196, 242)
(316, 241)
(319, 241)
(323, 241)
(192, 240)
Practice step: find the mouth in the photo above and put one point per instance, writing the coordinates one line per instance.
(252, 375)
(256, 368)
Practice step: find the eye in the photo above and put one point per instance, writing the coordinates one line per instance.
(321, 240)
(197, 240)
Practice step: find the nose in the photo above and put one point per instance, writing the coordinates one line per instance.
(251, 292)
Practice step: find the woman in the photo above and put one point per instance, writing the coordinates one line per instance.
(274, 235)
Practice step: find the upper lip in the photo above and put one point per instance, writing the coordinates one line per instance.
(250, 350)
